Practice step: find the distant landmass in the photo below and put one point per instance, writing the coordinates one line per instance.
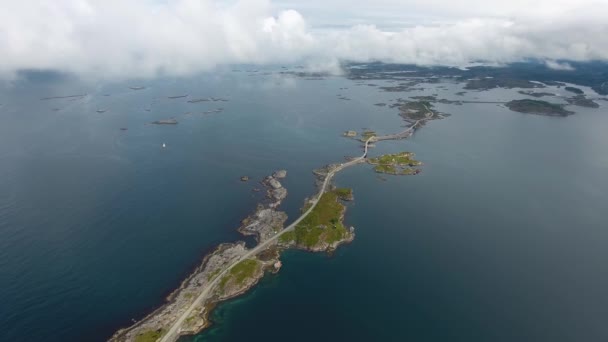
(590, 74)
(538, 107)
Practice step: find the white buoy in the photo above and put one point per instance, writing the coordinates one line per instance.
(164, 145)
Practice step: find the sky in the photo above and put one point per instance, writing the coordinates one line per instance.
(147, 38)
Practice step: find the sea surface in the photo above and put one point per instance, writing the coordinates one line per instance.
(503, 237)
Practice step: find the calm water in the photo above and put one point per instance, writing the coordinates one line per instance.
(501, 238)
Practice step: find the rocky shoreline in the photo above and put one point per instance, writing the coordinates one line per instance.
(264, 223)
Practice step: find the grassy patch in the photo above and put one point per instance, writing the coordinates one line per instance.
(323, 224)
(149, 336)
(344, 193)
(385, 169)
(408, 171)
(401, 159)
(367, 134)
(395, 164)
(244, 269)
(224, 281)
(241, 271)
(287, 237)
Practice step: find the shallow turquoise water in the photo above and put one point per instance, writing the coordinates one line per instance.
(500, 238)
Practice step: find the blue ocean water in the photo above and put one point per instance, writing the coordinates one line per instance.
(501, 237)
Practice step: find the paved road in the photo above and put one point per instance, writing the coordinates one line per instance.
(173, 333)
(400, 135)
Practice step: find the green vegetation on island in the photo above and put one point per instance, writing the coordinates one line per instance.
(149, 336)
(402, 163)
(322, 228)
(390, 169)
(538, 107)
(401, 159)
(240, 272)
(287, 237)
(345, 194)
(367, 134)
(415, 110)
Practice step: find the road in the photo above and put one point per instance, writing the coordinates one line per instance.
(400, 135)
(173, 333)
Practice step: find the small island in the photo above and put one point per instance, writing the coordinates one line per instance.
(538, 107)
(323, 228)
(420, 109)
(396, 164)
(535, 93)
(367, 134)
(582, 101)
(165, 122)
(577, 91)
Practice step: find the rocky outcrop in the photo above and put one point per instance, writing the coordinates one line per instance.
(280, 174)
(184, 296)
(266, 221)
(272, 182)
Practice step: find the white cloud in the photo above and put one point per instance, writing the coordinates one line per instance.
(116, 38)
(555, 65)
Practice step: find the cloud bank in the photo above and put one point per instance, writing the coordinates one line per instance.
(139, 38)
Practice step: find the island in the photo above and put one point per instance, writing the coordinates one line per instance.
(323, 229)
(582, 101)
(396, 164)
(165, 122)
(538, 107)
(365, 135)
(535, 94)
(419, 109)
(575, 90)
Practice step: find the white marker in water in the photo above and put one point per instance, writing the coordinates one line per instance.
(164, 145)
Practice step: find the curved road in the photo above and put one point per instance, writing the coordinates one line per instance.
(173, 333)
